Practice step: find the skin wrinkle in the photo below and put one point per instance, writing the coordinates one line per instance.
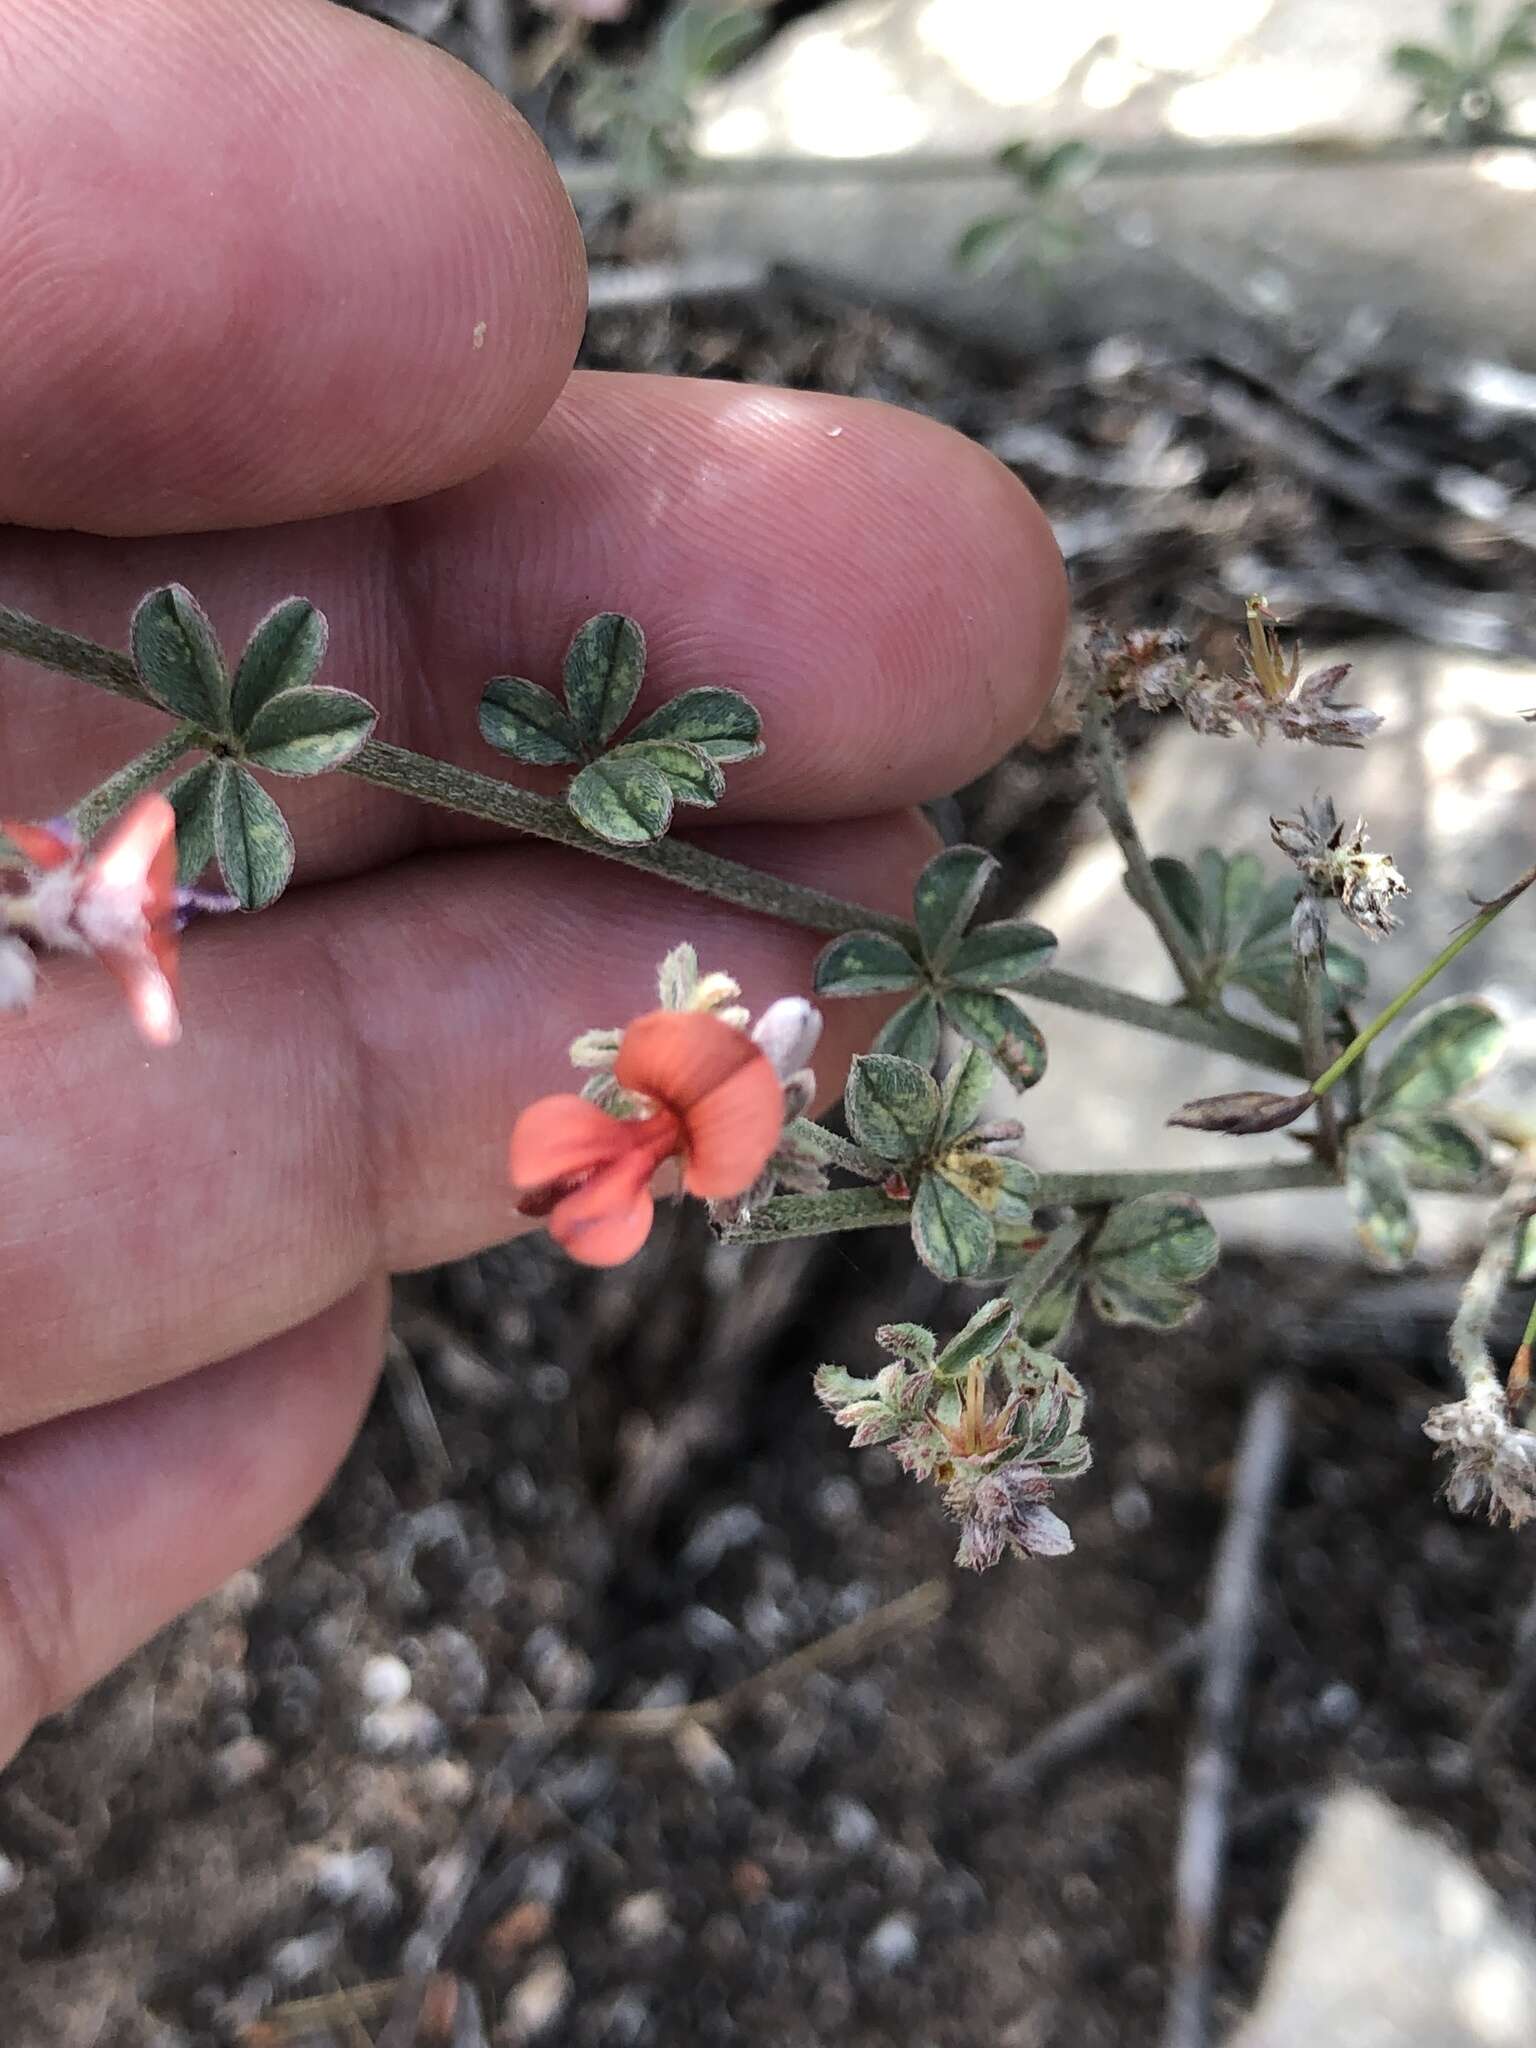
(348, 299)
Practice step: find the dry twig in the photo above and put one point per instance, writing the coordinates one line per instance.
(1228, 1638)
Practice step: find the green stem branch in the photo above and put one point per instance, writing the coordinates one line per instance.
(1420, 982)
(870, 1209)
(500, 803)
(1114, 797)
(104, 802)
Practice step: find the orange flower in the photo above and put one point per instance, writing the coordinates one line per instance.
(118, 901)
(718, 1107)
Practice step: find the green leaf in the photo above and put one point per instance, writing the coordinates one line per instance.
(1155, 1241)
(1066, 167)
(721, 722)
(1184, 897)
(987, 240)
(1438, 1151)
(1001, 955)
(965, 1087)
(1120, 1301)
(953, 1237)
(1001, 1029)
(178, 659)
(306, 732)
(528, 722)
(1233, 891)
(1446, 1051)
(912, 1033)
(626, 802)
(892, 1107)
(981, 1336)
(1379, 1200)
(689, 772)
(865, 964)
(945, 899)
(1423, 66)
(1050, 1314)
(251, 839)
(603, 673)
(1266, 968)
(284, 653)
(192, 797)
(909, 1341)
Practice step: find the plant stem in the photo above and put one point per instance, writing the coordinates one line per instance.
(1399, 1003)
(1231, 1035)
(1314, 1042)
(108, 798)
(869, 1209)
(500, 803)
(1110, 786)
(1468, 1344)
(836, 1151)
(1043, 1268)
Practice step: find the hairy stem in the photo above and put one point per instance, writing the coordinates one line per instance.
(1314, 1044)
(1420, 982)
(1047, 1263)
(1469, 1350)
(1114, 797)
(104, 802)
(871, 1209)
(836, 1151)
(500, 803)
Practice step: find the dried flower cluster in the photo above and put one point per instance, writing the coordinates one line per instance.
(1336, 863)
(994, 1422)
(1268, 694)
(1493, 1461)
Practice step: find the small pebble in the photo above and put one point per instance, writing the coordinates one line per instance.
(10, 1876)
(385, 1681)
(538, 2001)
(749, 1881)
(240, 1762)
(851, 1825)
(626, 2022)
(702, 1756)
(357, 1877)
(725, 1530)
(394, 1731)
(643, 1916)
(1131, 1507)
(1337, 1704)
(514, 1933)
(890, 1946)
(837, 1502)
(447, 1781)
(291, 1962)
(706, 1629)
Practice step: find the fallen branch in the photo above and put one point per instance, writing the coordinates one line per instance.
(1228, 1640)
(1084, 1727)
(924, 1604)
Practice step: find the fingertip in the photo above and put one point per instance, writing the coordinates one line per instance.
(297, 263)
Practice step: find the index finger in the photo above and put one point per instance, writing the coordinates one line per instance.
(262, 263)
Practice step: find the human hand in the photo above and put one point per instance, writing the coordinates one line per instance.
(289, 303)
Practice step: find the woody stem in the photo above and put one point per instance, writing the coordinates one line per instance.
(692, 867)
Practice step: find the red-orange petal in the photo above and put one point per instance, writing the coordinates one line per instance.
(38, 844)
(139, 853)
(607, 1219)
(151, 994)
(732, 1132)
(562, 1135)
(679, 1057)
